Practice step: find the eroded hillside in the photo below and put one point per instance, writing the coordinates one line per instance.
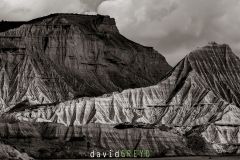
(64, 56)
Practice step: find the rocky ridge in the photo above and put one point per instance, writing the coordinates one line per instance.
(189, 95)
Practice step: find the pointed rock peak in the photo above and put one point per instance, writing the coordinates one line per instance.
(218, 57)
(211, 56)
(215, 67)
(212, 50)
(219, 67)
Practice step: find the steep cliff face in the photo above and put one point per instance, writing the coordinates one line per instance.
(62, 56)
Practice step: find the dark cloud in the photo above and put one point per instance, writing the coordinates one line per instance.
(173, 27)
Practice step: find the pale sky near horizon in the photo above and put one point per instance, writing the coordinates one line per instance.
(172, 27)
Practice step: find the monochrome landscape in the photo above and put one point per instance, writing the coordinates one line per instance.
(72, 86)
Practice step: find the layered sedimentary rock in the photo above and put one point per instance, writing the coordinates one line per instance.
(47, 63)
(82, 140)
(195, 92)
(64, 56)
(197, 100)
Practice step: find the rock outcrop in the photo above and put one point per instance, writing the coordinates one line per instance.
(64, 56)
(48, 63)
(197, 100)
(195, 92)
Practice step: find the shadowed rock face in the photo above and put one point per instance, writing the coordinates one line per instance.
(64, 56)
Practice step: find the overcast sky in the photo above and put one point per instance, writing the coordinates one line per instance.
(173, 27)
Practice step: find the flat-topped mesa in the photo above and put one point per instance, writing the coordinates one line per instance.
(103, 23)
(70, 55)
(93, 23)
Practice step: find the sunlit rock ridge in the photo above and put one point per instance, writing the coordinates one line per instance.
(199, 89)
(64, 56)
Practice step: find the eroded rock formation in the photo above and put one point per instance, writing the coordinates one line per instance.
(47, 63)
(195, 92)
(196, 100)
(63, 56)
